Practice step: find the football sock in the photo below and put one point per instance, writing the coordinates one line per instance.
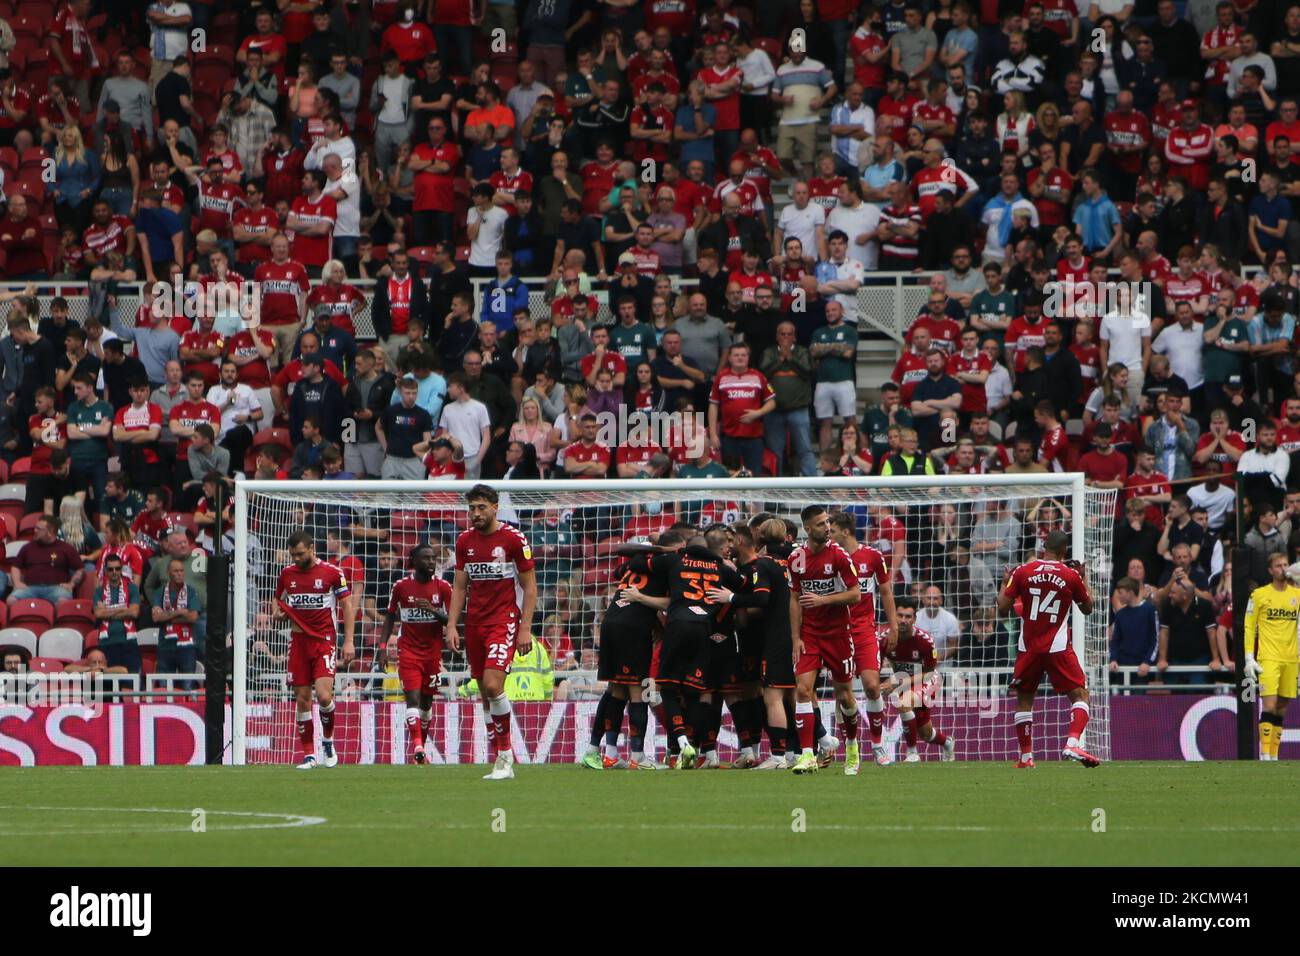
(491, 730)
(1277, 734)
(638, 716)
(777, 738)
(701, 718)
(327, 721)
(753, 711)
(598, 722)
(413, 737)
(819, 729)
(803, 721)
(715, 723)
(1078, 721)
(848, 720)
(426, 718)
(876, 719)
(1025, 732)
(613, 725)
(306, 732)
(936, 737)
(500, 707)
(661, 717)
(675, 722)
(791, 730)
(909, 729)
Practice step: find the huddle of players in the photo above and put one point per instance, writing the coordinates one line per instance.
(739, 615)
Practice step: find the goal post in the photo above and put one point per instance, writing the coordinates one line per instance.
(950, 541)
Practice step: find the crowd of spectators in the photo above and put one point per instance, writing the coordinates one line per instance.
(698, 194)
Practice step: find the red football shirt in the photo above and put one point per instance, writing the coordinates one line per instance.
(255, 374)
(421, 631)
(728, 107)
(314, 250)
(190, 414)
(217, 206)
(208, 368)
(492, 563)
(1051, 449)
(281, 283)
(737, 394)
(142, 418)
(110, 237)
(310, 598)
(828, 571)
(260, 222)
(1047, 590)
(872, 575)
(973, 397)
(436, 191)
(597, 182)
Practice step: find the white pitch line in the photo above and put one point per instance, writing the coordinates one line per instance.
(288, 820)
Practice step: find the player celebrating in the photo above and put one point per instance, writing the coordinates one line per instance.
(419, 601)
(686, 649)
(764, 630)
(1046, 588)
(909, 649)
(1271, 653)
(627, 634)
(823, 586)
(873, 578)
(307, 594)
(493, 563)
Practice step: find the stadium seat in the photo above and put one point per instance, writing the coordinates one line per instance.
(21, 468)
(28, 28)
(224, 28)
(9, 162)
(274, 436)
(772, 47)
(8, 527)
(11, 551)
(180, 519)
(41, 10)
(213, 67)
(31, 612)
(36, 70)
(19, 637)
(509, 55)
(4, 613)
(47, 665)
(63, 643)
(74, 613)
(27, 526)
(147, 639)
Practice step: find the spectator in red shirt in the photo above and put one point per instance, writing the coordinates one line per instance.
(274, 47)
(136, 428)
(410, 39)
(46, 568)
(740, 398)
(22, 257)
(587, 458)
(280, 166)
(253, 228)
(434, 164)
(71, 51)
(1104, 467)
(311, 223)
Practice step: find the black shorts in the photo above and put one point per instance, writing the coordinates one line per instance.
(685, 653)
(723, 672)
(778, 660)
(624, 653)
(751, 655)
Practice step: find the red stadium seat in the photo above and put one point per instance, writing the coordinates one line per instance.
(33, 158)
(274, 436)
(20, 469)
(772, 47)
(31, 611)
(41, 10)
(509, 55)
(9, 161)
(4, 613)
(180, 519)
(36, 70)
(29, 28)
(4, 471)
(224, 29)
(8, 527)
(74, 613)
(213, 67)
(27, 526)
(46, 665)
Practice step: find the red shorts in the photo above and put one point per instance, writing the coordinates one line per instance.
(866, 650)
(1062, 667)
(309, 660)
(490, 646)
(832, 651)
(418, 668)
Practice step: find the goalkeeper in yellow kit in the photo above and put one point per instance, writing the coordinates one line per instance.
(1272, 656)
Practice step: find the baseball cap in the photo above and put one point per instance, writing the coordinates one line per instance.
(206, 235)
(440, 443)
(1190, 105)
(627, 259)
(1234, 381)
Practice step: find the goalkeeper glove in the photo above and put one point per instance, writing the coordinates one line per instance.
(1252, 668)
(651, 695)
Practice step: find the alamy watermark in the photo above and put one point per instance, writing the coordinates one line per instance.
(214, 300)
(1069, 299)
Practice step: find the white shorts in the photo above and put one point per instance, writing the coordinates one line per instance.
(410, 469)
(835, 400)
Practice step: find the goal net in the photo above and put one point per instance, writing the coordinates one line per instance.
(950, 542)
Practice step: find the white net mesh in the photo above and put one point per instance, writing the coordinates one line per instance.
(950, 544)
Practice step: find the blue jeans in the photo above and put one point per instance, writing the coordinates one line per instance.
(748, 450)
(459, 38)
(840, 32)
(96, 472)
(173, 659)
(118, 199)
(774, 433)
(54, 593)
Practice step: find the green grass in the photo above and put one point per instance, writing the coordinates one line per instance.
(933, 814)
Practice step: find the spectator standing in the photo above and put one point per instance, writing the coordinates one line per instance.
(466, 421)
(1134, 632)
(399, 428)
(740, 399)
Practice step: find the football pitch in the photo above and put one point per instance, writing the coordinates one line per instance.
(1132, 813)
